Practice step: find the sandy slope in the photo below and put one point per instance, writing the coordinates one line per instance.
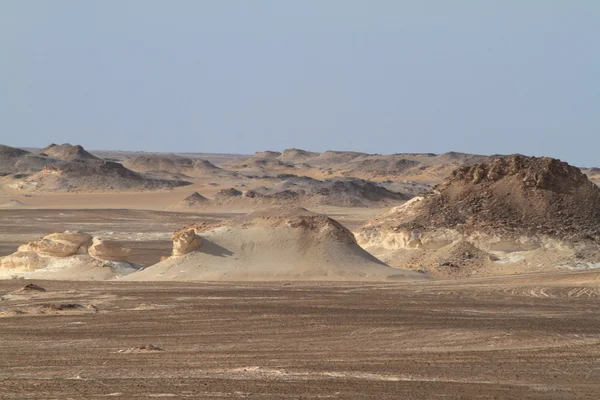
(275, 245)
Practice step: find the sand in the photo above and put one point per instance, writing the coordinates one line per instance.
(275, 245)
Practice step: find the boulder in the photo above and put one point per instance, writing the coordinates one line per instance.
(107, 250)
(63, 244)
(185, 241)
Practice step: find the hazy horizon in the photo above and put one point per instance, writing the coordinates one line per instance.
(239, 77)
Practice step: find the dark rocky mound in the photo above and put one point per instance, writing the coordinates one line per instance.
(7, 152)
(29, 288)
(227, 193)
(196, 198)
(96, 176)
(17, 161)
(512, 194)
(67, 152)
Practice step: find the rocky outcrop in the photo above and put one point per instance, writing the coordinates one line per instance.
(67, 152)
(69, 250)
(63, 244)
(21, 260)
(108, 250)
(538, 211)
(186, 240)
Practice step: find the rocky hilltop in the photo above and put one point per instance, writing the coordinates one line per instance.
(509, 205)
(67, 152)
(15, 161)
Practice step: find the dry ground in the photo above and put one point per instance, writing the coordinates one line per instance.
(527, 337)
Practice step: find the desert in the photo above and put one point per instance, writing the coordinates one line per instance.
(299, 200)
(302, 277)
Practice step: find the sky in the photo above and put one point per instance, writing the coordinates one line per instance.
(233, 76)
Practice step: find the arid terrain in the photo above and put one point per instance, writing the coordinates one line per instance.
(294, 274)
(531, 337)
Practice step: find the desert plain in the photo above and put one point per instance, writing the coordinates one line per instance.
(297, 275)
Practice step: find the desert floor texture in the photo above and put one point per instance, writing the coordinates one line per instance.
(530, 337)
(466, 331)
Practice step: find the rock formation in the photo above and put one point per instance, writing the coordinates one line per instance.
(108, 250)
(68, 255)
(514, 204)
(271, 245)
(186, 240)
(67, 152)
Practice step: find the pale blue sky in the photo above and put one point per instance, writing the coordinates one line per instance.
(479, 76)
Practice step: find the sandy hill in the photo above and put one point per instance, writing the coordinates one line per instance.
(67, 152)
(17, 161)
(512, 207)
(175, 164)
(93, 176)
(272, 245)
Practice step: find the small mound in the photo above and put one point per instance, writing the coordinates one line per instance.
(68, 152)
(228, 193)
(13, 203)
(30, 288)
(194, 200)
(270, 245)
(49, 309)
(149, 348)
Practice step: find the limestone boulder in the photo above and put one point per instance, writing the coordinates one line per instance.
(21, 261)
(185, 241)
(108, 250)
(63, 244)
